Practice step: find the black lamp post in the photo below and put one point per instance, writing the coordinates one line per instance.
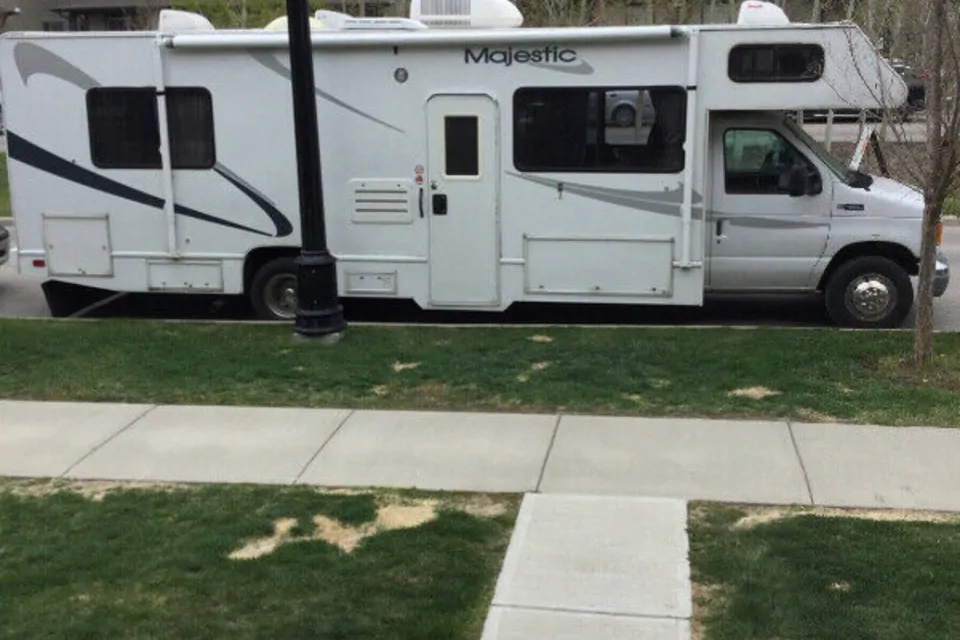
(319, 312)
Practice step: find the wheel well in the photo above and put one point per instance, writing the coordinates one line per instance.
(261, 256)
(895, 252)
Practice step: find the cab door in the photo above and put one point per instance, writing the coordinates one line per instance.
(761, 237)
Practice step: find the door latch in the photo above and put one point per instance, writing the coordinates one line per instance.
(439, 204)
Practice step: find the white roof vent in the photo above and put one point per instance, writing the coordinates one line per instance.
(757, 13)
(280, 24)
(331, 19)
(182, 21)
(466, 14)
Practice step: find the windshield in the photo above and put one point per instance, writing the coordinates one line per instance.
(821, 152)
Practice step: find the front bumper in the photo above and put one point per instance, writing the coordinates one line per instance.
(941, 276)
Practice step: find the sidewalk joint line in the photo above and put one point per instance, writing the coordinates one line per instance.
(803, 467)
(323, 446)
(611, 614)
(110, 439)
(546, 458)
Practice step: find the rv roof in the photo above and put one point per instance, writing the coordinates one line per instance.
(258, 38)
(427, 38)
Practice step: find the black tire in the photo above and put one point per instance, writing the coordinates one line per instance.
(274, 276)
(877, 275)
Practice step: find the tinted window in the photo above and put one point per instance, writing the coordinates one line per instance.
(190, 122)
(605, 129)
(462, 146)
(776, 63)
(758, 161)
(125, 130)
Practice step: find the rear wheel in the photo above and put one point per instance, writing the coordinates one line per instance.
(869, 293)
(273, 291)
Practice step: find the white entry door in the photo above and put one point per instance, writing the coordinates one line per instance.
(462, 200)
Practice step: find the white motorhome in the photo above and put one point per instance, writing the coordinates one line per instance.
(468, 162)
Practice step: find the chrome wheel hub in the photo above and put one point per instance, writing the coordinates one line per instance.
(871, 297)
(281, 295)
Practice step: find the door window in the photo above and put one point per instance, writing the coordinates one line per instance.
(758, 161)
(462, 146)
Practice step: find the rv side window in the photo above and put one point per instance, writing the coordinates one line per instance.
(604, 129)
(756, 161)
(123, 128)
(776, 63)
(125, 131)
(190, 122)
(461, 139)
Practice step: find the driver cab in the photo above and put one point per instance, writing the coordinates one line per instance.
(771, 195)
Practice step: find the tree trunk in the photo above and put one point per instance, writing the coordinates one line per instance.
(933, 189)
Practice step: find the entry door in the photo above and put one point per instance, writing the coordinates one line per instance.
(761, 237)
(462, 200)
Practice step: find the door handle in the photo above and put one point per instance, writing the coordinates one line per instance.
(719, 233)
(421, 202)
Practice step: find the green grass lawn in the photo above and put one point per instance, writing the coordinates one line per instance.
(775, 574)
(157, 563)
(812, 375)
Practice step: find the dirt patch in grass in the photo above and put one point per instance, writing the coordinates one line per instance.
(705, 598)
(394, 513)
(754, 393)
(805, 414)
(757, 516)
(431, 394)
(261, 547)
(95, 490)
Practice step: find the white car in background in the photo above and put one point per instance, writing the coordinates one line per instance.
(622, 107)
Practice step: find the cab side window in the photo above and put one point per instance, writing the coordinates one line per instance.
(758, 161)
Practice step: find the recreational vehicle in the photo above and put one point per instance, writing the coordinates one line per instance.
(468, 162)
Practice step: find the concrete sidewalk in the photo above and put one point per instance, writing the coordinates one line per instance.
(599, 549)
(730, 461)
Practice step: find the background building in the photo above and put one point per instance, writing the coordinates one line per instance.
(77, 15)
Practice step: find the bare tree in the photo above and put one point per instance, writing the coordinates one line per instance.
(943, 140)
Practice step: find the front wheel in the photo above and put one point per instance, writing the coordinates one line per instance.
(869, 293)
(273, 291)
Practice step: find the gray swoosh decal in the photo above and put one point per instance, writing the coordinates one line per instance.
(270, 61)
(661, 202)
(32, 59)
(757, 222)
(583, 69)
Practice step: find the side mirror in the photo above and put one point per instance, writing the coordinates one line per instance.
(797, 182)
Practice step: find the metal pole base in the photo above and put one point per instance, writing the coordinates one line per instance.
(320, 312)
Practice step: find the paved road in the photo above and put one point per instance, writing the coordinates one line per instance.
(846, 131)
(22, 297)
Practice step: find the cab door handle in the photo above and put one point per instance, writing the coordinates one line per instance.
(719, 234)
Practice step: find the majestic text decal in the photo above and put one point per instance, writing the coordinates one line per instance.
(509, 56)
